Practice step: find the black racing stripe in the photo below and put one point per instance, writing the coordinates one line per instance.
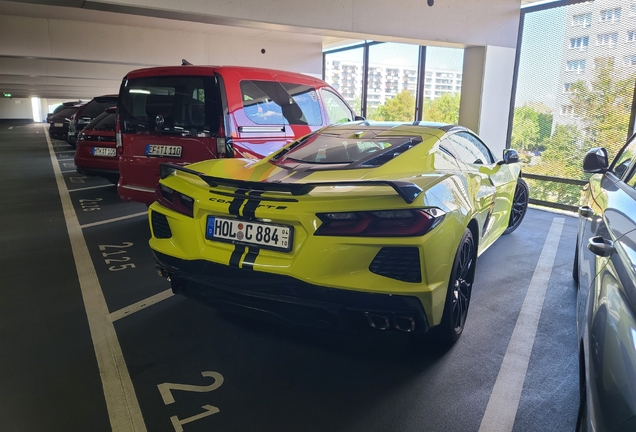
(248, 262)
(235, 259)
(249, 211)
(236, 203)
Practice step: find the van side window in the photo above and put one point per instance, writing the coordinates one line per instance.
(337, 109)
(274, 103)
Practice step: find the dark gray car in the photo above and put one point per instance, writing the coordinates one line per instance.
(605, 268)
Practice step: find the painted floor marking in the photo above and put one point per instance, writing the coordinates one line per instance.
(123, 408)
(65, 172)
(136, 307)
(117, 219)
(92, 187)
(504, 400)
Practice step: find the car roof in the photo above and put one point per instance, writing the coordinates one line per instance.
(209, 70)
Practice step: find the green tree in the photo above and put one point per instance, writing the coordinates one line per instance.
(525, 128)
(604, 108)
(399, 108)
(444, 109)
(562, 158)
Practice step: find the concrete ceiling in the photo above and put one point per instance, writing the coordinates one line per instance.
(77, 77)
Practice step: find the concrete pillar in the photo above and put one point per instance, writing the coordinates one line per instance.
(486, 93)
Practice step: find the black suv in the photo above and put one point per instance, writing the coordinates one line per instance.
(87, 113)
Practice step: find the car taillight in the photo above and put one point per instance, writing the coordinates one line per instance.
(220, 141)
(174, 200)
(384, 223)
(118, 138)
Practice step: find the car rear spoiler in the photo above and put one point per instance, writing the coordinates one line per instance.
(406, 190)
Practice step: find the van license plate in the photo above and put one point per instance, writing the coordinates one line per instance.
(163, 150)
(104, 151)
(269, 236)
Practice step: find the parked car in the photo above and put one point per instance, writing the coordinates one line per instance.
(186, 114)
(87, 114)
(605, 269)
(62, 106)
(95, 154)
(360, 225)
(59, 122)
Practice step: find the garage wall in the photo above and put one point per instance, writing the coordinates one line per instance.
(16, 108)
(39, 53)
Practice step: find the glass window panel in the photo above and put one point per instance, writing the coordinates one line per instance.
(442, 96)
(571, 97)
(343, 71)
(392, 82)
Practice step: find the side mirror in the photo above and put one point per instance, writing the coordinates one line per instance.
(510, 156)
(595, 161)
(358, 118)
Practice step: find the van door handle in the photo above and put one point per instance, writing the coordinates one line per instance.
(600, 246)
(586, 212)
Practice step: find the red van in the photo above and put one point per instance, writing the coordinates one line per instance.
(186, 114)
(95, 152)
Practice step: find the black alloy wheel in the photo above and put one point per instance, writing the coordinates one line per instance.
(460, 287)
(519, 206)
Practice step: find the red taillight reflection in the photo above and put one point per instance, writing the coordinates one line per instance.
(401, 223)
(174, 200)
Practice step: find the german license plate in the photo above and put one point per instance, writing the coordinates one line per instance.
(58, 124)
(104, 151)
(163, 150)
(269, 236)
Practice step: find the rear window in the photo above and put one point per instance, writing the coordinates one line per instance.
(105, 121)
(183, 105)
(324, 148)
(97, 106)
(280, 103)
(66, 112)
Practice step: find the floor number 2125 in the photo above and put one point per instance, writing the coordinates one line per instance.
(166, 389)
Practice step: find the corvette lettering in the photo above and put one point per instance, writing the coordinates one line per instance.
(267, 206)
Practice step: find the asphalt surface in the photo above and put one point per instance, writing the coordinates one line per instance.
(273, 378)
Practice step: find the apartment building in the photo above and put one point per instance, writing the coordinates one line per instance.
(386, 81)
(595, 32)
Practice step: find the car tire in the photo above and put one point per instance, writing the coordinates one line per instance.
(575, 266)
(519, 206)
(460, 286)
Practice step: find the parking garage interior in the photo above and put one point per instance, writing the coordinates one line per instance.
(89, 348)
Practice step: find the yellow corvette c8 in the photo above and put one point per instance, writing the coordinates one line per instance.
(359, 225)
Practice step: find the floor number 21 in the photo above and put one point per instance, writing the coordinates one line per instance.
(166, 389)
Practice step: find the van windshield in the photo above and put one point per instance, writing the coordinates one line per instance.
(169, 105)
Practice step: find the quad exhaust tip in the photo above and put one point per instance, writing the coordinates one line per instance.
(402, 323)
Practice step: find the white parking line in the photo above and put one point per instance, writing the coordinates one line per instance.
(88, 225)
(66, 172)
(504, 400)
(92, 187)
(136, 307)
(123, 408)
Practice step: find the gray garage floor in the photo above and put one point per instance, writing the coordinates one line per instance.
(271, 378)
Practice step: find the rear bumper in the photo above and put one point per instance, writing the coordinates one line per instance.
(288, 300)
